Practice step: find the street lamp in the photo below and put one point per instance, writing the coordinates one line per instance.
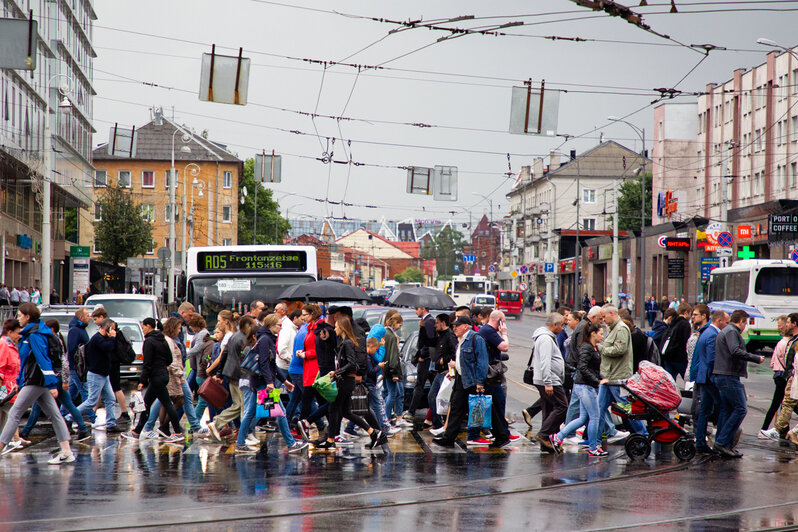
(64, 89)
(193, 170)
(170, 284)
(641, 301)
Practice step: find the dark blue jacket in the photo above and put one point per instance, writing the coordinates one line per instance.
(34, 357)
(267, 353)
(98, 354)
(473, 360)
(76, 337)
(181, 338)
(657, 333)
(705, 355)
(652, 306)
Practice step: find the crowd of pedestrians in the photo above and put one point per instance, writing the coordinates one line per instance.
(576, 356)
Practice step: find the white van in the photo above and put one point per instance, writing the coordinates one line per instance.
(136, 306)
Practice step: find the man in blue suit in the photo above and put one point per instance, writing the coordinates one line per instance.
(705, 353)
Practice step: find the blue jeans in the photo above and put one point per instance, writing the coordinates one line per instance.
(733, 408)
(188, 409)
(587, 399)
(66, 403)
(192, 380)
(606, 394)
(296, 395)
(99, 386)
(573, 413)
(248, 419)
(432, 399)
(394, 403)
(78, 391)
(675, 368)
(377, 406)
(709, 398)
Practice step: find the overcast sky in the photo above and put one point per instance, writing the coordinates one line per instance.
(148, 41)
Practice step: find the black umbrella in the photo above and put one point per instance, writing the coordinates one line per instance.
(421, 296)
(323, 291)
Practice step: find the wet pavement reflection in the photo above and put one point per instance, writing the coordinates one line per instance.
(118, 484)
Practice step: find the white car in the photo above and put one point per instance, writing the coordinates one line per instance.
(136, 306)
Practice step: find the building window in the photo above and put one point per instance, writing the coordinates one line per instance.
(793, 174)
(151, 251)
(588, 195)
(100, 178)
(124, 178)
(147, 179)
(794, 130)
(148, 211)
(98, 212)
(228, 180)
(227, 242)
(589, 224)
(758, 139)
(95, 249)
(227, 214)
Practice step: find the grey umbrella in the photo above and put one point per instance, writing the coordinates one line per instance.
(323, 291)
(421, 296)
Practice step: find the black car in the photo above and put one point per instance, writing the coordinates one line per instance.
(406, 354)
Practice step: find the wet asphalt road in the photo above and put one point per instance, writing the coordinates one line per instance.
(409, 484)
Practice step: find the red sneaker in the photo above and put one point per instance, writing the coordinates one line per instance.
(478, 441)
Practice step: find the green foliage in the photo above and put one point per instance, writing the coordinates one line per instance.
(71, 227)
(269, 217)
(410, 275)
(123, 232)
(629, 204)
(444, 248)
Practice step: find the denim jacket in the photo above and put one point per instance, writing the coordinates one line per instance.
(473, 360)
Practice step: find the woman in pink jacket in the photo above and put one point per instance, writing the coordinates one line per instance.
(9, 371)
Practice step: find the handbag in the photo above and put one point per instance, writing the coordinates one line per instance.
(495, 372)
(529, 373)
(326, 387)
(214, 393)
(359, 400)
(6, 395)
(479, 411)
(249, 361)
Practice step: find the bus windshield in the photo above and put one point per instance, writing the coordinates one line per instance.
(209, 295)
(777, 282)
(477, 287)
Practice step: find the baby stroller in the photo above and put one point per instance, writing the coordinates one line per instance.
(653, 394)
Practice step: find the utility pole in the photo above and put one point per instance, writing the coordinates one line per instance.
(578, 284)
(641, 302)
(615, 258)
(549, 246)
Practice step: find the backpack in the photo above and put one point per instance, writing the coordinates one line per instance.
(652, 351)
(79, 359)
(124, 349)
(55, 350)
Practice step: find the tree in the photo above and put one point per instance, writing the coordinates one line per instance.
(629, 204)
(123, 231)
(271, 226)
(444, 248)
(410, 275)
(71, 219)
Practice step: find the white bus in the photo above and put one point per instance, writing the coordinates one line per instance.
(769, 285)
(231, 277)
(463, 288)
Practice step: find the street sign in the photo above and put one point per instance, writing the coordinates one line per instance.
(523, 270)
(491, 268)
(549, 267)
(724, 252)
(522, 286)
(476, 271)
(551, 278)
(514, 273)
(725, 239)
(540, 221)
(662, 241)
(469, 258)
(163, 253)
(743, 231)
(79, 251)
(707, 265)
(457, 267)
(357, 272)
(794, 255)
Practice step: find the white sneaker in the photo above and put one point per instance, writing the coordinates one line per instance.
(771, 434)
(573, 440)
(11, 447)
(149, 435)
(252, 440)
(396, 430)
(98, 425)
(620, 435)
(437, 432)
(61, 458)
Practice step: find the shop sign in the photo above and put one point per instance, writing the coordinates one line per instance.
(677, 244)
(605, 251)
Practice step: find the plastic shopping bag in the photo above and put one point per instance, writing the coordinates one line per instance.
(479, 411)
(326, 387)
(444, 396)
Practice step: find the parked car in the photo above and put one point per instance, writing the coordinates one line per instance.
(136, 306)
(380, 296)
(486, 300)
(511, 302)
(409, 326)
(62, 313)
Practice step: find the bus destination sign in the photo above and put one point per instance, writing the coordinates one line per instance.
(251, 261)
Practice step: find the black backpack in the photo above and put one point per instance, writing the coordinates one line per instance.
(79, 360)
(54, 350)
(124, 349)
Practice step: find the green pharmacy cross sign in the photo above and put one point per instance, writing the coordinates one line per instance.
(746, 253)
